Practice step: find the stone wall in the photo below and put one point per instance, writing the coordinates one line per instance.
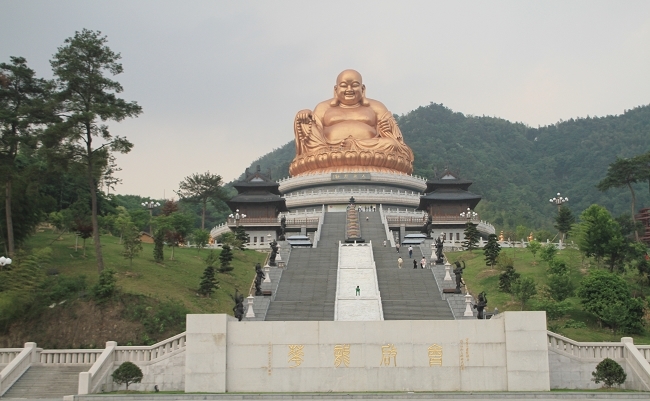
(508, 353)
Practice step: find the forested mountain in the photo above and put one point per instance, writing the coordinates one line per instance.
(517, 168)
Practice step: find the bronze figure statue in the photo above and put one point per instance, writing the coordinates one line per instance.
(238, 309)
(458, 271)
(259, 276)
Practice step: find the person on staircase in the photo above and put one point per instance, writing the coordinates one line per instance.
(415, 264)
(423, 262)
(410, 251)
(400, 261)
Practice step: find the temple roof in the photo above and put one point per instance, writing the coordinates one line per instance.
(448, 188)
(447, 180)
(258, 181)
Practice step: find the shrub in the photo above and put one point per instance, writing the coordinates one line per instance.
(106, 286)
(507, 278)
(127, 373)
(609, 372)
(548, 252)
(607, 296)
(554, 310)
(557, 267)
(560, 287)
(534, 247)
(504, 261)
(523, 289)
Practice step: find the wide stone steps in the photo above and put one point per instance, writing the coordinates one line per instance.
(307, 289)
(407, 293)
(48, 381)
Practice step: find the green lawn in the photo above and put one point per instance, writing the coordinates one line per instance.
(479, 277)
(176, 279)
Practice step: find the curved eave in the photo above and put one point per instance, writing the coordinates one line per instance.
(449, 197)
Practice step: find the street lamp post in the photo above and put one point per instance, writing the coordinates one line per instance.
(469, 214)
(237, 216)
(150, 205)
(559, 201)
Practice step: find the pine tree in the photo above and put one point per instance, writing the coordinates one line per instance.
(491, 251)
(471, 236)
(208, 282)
(240, 235)
(564, 220)
(225, 257)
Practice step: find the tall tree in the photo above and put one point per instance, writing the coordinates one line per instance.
(601, 236)
(621, 173)
(200, 188)
(491, 250)
(22, 110)
(87, 100)
(471, 236)
(564, 220)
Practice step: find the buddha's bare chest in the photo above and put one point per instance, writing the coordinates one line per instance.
(361, 114)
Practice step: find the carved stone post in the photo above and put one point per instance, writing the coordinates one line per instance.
(447, 270)
(267, 274)
(468, 307)
(250, 312)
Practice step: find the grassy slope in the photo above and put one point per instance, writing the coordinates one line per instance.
(175, 279)
(178, 279)
(479, 278)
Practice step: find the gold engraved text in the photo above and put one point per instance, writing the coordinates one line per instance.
(296, 355)
(388, 351)
(342, 355)
(435, 355)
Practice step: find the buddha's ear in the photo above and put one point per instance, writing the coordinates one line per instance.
(335, 100)
(364, 101)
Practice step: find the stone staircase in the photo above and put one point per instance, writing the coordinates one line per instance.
(47, 381)
(307, 289)
(407, 293)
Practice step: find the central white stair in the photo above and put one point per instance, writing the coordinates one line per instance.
(357, 268)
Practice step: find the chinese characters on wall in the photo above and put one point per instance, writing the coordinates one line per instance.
(388, 356)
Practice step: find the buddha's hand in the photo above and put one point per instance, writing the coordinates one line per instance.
(304, 117)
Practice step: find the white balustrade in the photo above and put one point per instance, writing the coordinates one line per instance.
(8, 354)
(69, 356)
(590, 350)
(18, 365)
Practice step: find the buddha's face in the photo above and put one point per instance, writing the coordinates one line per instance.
(349, 88)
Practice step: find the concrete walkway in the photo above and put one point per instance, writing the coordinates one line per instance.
(356, 269)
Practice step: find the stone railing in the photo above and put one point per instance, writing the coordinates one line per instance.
(397, 197)
(645, 351)
(149, 354)
(90, 382)
(219, 230)
(18, 365)
(637, 366)
(69, 356)
(292, 183)
(593, 350)
(320, 227)
(274, 221)
(384, 222)
(8, 354)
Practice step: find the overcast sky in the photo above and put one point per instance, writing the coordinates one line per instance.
(220, 82)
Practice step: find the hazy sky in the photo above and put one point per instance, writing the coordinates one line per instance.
(220, 82)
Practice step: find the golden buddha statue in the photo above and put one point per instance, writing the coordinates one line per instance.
(349, 133)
